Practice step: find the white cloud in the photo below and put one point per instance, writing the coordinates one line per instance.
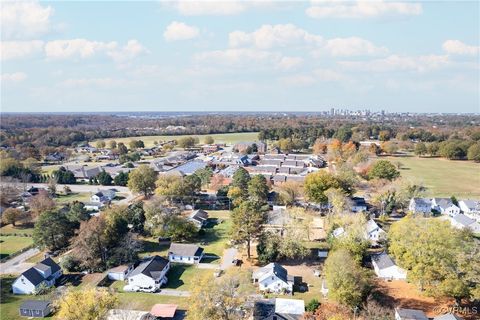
(209, 7)
(180, 31)
(353, 46)
(24, 19)
(18, 49)
(15, 77)
(236, 57)
(398, 63)
(269, 36)
(82, 48)
(460, 48)
(361, 9)
(317, 75)
(95, 82)
(289, 63)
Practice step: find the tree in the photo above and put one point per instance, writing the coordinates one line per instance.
(112, 144)
(383, 169)
(142, 180)
(432, 148)
(319, 147)
(76, 213)
(136, 144)
(219, 299)
(290, 192)
(247, 221)
(40, 203)
(318, 182)
(121, 179)
(122, 148)
(217, 181)
(348, 283)
(258, 189)
(241, 178)
(11, 216)
(186, 142)
(158, 213)
(136, 217)
(474, 152)
(52, 186)
(52, 230)
(268, 247)
(344, 133)
(104, 178)
(338, 199)
(205, 175)
(420, 149)
(64, 176)
(86, 304)
(452, 150)
(312, 305)
(179, 229)
(100, 144)
(208, 140)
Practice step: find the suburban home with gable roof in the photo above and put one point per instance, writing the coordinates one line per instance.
(149, 275)
(35, 308)
(119, 272)
(199, 217)
(273, 278)
(44, 273)
(103, 196)
(409, 314)
(420, 205)
(185, 253)
(385, 268)
(471, 208)
(278, 309)
(373, 232)
(163, 311)
(359, 204)
(84, 173)
(445, 206)
(461, 221)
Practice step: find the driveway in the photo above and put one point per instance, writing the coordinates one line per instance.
(228, 257)
(16, 265)
(212, 266)
(174, 293)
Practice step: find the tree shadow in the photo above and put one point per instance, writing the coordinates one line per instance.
(174, 275)
(73, 279)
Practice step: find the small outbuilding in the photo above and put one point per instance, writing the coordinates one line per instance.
(35, 309)
(163, 311)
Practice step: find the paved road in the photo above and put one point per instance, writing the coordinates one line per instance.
(174, 293)
(17, 264)
(228, 256)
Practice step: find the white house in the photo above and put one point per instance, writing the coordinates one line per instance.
(119, 273)
(420, 205)
(385, 268)
(273, 278)
(373, 232)
(93, 206)
(44, 273)
(339, 232)
(185, 253)
(103, 196)
(199, 217)
(359, 204)
(470, 208)
(445, 206)
(461, 221)
(409, 314)
(149, 275)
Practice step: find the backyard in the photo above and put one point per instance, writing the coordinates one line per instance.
(12, 244)
(443, 178)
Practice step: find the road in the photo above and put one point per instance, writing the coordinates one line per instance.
(17, 264)
(174, 293)
(228, 256)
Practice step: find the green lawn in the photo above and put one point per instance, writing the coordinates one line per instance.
(442, 177)
(181, 276)
(12, 244)
(19, 228)
(77, 196)
(228, 138)
(145, 301)
(9, 303)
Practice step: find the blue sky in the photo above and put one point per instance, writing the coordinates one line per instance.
(239, 55)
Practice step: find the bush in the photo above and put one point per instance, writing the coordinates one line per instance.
(70, 264)
(312, 305)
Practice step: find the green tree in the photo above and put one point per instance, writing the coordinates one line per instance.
(208, 140)
(205, 174)
(76, 213)
(186, 142)
(318, 182)
(64, 176)
(142, 180)
(420, 149)
(247, 225)
(100, 144)
(348, 283)
(383, 169)
(312, 305)
(112, 144)
(122, 148)
(52, 230)
(474, 152)
(258, 189)
(432, 148)
(121, 179)
(11, 216)
(104, 178)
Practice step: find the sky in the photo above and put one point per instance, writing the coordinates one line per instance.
(113, 56)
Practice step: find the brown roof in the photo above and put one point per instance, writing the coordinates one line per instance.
(164, 310)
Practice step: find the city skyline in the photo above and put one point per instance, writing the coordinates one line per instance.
(240, 56)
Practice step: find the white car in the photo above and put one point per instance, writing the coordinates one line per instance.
(130, 288)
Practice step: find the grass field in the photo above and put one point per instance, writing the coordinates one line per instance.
(443, 178)
(77, 196)
(12, 244)
(228, 138)
(23, 229)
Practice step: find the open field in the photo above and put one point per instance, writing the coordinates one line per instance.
(74, 196)
(12, 244)
(19, 228)
(443, 178)
(228, 138)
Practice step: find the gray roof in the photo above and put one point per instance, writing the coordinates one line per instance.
(52, 264)
(422, 201)
(185, 250)
(33, 276)
(199, 215)
(152, 267)
(383, 261)
(190, 167)
(411, 314)
(34, 305)
(448, 316)
(274, 268)
(472, 204)
(463, 219)
(443, 202)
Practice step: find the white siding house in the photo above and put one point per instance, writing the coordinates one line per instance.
(185, 253)
(461, 221)
(149, 275)
(119, 273)
(44, 273)
(445, 206)
(373, 232)
(471, 208)
(420, 205)
(273, 278)
(385, 268)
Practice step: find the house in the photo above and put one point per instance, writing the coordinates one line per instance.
(93, 206)
(84, 173)
(163, 311)
(278, 309)
(149, 275)
(199, 217)
(339, 232)
(103, 196)
(470, 208)
(35, 309)
(373, 232)
(385, 268)
(359, 204)
(44, 273)
(273, 278)
(420, 205)
(185, 253)
(448, 316)
(188, 168)
(445, 206)
(409, 314)
(119, 273)
(461, 221)
(278, 218)
(244, 147)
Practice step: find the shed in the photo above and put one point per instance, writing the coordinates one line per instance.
(35, 309)
(163, 311)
